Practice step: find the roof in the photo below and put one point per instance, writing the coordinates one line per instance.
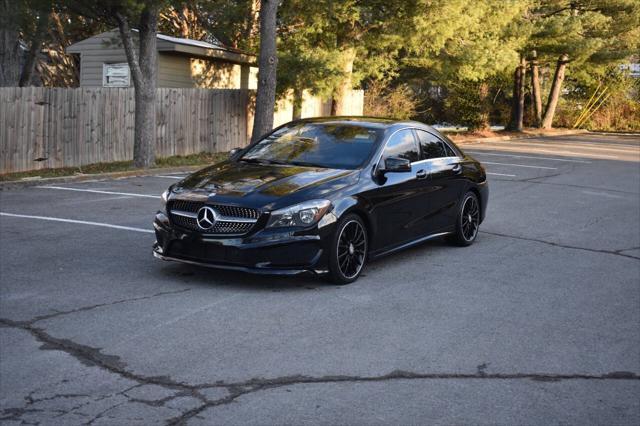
(379, 122)
(215, 45)
(214, 50)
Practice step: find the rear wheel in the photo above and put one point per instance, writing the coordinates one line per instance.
(468, 220)
(348, 250)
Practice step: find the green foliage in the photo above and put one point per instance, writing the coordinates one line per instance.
(589, 31)
(408, 47)
(467, 103)
(620, 106)
(234, 23)
(320, 39)
(483, 40)
(467, 57)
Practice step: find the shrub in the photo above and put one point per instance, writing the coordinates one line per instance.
(399, 101)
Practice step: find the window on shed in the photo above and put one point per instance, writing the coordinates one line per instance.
(115, 75)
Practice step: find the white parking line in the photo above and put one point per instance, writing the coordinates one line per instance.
(529, 156)
(557, 150)
(602, 194)
(569, 153)
(500, 174)
(169, 177)
(96, 191)
(521, 165)
(82, 222)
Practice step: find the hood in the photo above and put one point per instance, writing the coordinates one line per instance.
(260, 185)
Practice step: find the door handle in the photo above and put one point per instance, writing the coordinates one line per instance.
(421, 174)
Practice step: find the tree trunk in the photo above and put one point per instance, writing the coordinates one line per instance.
(298, 97)
(9, 44)
(554, 95)
(521, 89)
(343, 90)
(268, 65)
(36, 44)
(143, 73)
(535, 89)
(515, 100)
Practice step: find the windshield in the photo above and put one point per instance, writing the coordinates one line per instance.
(330, 145)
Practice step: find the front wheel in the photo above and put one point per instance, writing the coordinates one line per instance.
(348, 250)
(467, 221)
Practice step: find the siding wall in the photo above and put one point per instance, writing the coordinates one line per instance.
(174, 71)
(102, 49)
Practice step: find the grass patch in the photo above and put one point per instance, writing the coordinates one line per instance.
(201, 159)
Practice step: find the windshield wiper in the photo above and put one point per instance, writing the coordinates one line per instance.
(305, 164)
(263, 161)
(256, 161)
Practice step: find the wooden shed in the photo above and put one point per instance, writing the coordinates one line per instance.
(181, 63)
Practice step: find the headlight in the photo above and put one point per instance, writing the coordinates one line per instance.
(303, 214)
(163, 200)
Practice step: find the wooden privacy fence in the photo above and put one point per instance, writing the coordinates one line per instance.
(48, 127)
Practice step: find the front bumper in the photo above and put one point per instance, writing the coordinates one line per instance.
(272, 251)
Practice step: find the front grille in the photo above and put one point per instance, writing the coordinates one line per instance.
(228, 226)
(222, 209)
(220, 227)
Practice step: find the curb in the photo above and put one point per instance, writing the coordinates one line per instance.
(16, 184)
(524, 136)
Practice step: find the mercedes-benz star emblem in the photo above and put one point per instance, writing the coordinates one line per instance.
(206, 217)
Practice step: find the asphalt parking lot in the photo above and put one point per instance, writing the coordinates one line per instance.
(537, 323)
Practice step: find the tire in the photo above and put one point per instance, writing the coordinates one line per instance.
(348, 254)
(467, 220)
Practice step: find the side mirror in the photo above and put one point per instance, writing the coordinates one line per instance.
(234, 151)
(396, 165)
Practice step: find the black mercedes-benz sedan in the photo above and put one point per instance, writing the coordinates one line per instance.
(324, 195)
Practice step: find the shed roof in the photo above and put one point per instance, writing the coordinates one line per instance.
(214, 50)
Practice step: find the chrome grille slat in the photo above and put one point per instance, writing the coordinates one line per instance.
(231, 220)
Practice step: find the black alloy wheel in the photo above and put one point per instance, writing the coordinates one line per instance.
(468, 221)
(349, 250)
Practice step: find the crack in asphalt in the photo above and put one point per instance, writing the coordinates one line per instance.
(237, 390)
(101, 305)
(111, 363)
(566, 246)
(628, 249)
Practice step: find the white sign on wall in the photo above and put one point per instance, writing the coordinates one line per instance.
(115, 75)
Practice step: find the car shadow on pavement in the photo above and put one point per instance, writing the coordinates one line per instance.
(203, 276)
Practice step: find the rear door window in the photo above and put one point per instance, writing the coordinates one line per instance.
(433, 147)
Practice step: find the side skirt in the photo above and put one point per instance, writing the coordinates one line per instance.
(386, 252)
